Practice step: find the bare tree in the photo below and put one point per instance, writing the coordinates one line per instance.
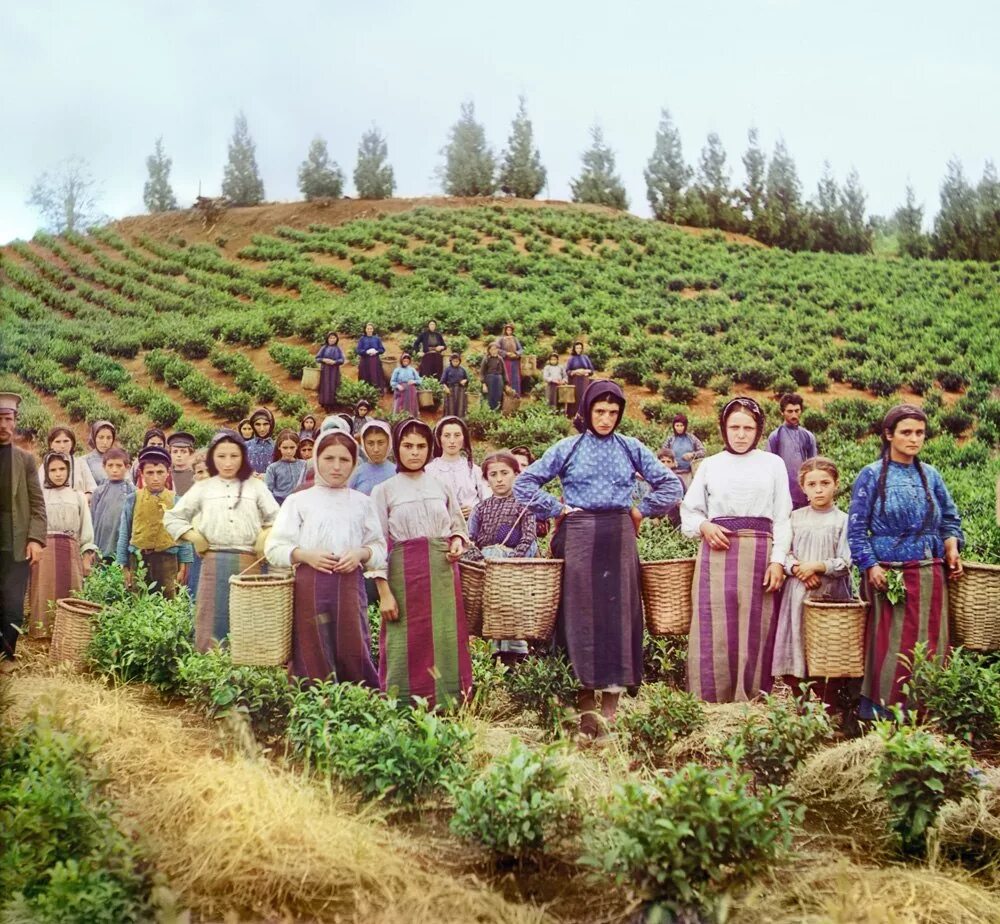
(67, 197)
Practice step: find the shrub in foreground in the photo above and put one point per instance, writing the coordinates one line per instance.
(664, 716)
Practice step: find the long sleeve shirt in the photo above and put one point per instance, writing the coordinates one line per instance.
(493, 365)
(681, 445)
(794, 445)
(284, 477)
(577, 362)
(428, 341)
(183, 550)
(899, 533)
(95, 460)
(331, 519)
(331, 352)
(228, 520)
(67, 512)
(404, 375)
(83, 478)
(466, 481)
(260, 453)
(821, 535)
(106, 512)
(600, 476)
(553, 373)
(492, 521)
(754, 484)
(454, 375)
(366, 343)
(367, 475)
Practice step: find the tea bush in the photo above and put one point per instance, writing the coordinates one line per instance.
(545, 686)
(519, 805)
(686, 837)
(664, 659)
(664, 716)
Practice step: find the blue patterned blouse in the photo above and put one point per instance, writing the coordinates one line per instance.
(896, 536)
(260, 453)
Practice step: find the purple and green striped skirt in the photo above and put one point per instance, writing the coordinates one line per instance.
(600, 611)
(733, 621)
(211, 614)
(426, 651)
(894, 631)
(330, 637)
(405, 401)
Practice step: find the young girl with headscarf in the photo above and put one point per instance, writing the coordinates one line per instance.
(102, 437)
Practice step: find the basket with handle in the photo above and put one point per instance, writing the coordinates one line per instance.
(974, 603)
(529, 364)
(566, 394)
(310, 377)
(473, 577)
(835, 637)
(72, 630)
(260, 617)
(388, 365)
(425, 398)
(521, 597)
(511, 404)
(666, 595)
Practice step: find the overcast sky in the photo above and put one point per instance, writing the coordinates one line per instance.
(892, 88)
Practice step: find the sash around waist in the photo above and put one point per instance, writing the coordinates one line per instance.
(757, 524)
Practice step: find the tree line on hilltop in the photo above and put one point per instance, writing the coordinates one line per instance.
(769, 205)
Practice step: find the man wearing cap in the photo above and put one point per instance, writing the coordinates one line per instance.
(142, 532)
(22, 527)
(181, 447)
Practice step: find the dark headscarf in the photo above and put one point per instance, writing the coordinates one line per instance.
(466, 439)
(329, 334)
(680, 418)
(100, 425)
(267, 415)
(364, 402)
(600, 390)
(747, 406)
(151, 432)
(406, 426)
(51, 457)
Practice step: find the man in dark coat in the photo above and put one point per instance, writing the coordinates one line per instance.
(22, 528)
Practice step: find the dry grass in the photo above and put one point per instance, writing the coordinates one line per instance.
(234, 834)
(970, 830)
(721, 720)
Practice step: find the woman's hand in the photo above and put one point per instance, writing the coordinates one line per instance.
(877, 577)
(807, 569)
(351, 560)
(456, 549)
(636, 519)
(953, 559)
(88, 563)
(387, 603)
(317, 559)
(466, 510)
(774, 577)
(182, 574)
(688, 456)
(485, 389)
(716, 537)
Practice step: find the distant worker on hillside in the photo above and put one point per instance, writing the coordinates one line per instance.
(794, 444)
(510, 352)
(432, 345)
(370, 349)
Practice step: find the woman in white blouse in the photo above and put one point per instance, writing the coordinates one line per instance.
(454, 466)
(235, 510)
(740, 507)
(331, 534)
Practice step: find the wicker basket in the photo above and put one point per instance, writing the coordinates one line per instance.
(529, 364)
(310, 378)
(566, 394)
(425, 398)
(73, 630)
(666, 595)
(510, 405)
(260, 618)
(521, 597)
(388, 366)
(473, 575)
(835, 637)
(974, 601)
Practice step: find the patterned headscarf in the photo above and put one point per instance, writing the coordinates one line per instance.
(747, 406)
(267, 415)
(407, 426)
(51, 457)
(98, 425)
(600, 390)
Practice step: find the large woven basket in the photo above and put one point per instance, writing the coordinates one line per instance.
(72, 630)
(511, 404)
(310, 377)
(529, 364)
(566, 394)
(835, 637)
(425, 398)
(388, 365)
(974, 602)
(666, 595)
(521, 597)
(473, 576)
(260, 618)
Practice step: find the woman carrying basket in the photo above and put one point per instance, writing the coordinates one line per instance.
(331, 534)
(600, 613)
(902, 519)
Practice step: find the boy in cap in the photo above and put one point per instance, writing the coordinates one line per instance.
(141, 530)
(181, 446)
(23, 526)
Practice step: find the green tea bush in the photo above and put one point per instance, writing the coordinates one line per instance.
(685, 838)
(680, 388)
(919, 772)
(773, 744)
(633, 370)
(664, 660)
(293, 405)
(663, 716)
(519, 806)
(291, 358)
(352, 391)
(545, 686)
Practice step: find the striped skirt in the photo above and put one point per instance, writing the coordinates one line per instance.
(894, 631)
(733, 621)
(59, 572)
(426, 651)
(406, 401)
(600, 612)
(456, 401)
(211, 613)
(513, 367)
(330, 637)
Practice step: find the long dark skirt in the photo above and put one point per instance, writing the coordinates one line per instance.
(580, 384)
(330, 637)
(406, 401)
(600, 613)
(733, 623)
(456, 401)
(494, 390)
(211, 612)
(513, 367)
(370, 371)
(426, 651)
(329, 385)
(431, 364)
(552, 394)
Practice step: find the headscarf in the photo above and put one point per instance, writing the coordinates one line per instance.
(377, 425)
(268, 416)
(100, 425)
(898, 413)
(403, 356)
(56, 430)
(404, 427)
(329, 334)
(466, 439)
(302, 424)
(150, 433)
(501, 456)
(680, 418)
(747, 406)
(363, 402)
(325, 438)
(600, 390)
(334, 422)
(231, 436)
(239, 426)
(51, 457)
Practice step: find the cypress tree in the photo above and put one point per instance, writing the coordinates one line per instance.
(521, 170)
(713, 186)
(752, 197)
(988, 195)
(241, 182)
(373, 177)
(784, 218)
(829, 219)
(857, 234)
(909, 219)
(318, 175)
(469, 167)
(956, 227)
(598, 183)
(156, 193)
(666, 173)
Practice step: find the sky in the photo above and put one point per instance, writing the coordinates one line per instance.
(894, 89)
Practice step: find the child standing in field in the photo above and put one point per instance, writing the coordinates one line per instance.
(62, 439)
(101, 439)
(108, 500)
(154, 436)
(375, 438)
(181, 447)
(308, 427)
(141, 530)
(305, 449)
(69, 546)
(235, 511)
(404, 383)
(818, 564)
(554, 375)
(456, 380)
(285, 473)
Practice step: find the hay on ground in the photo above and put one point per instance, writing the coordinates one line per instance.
(702, 745)
(970, 830)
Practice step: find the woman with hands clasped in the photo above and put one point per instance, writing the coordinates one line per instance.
(332, 535)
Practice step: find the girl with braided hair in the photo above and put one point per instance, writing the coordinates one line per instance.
(902, 517)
